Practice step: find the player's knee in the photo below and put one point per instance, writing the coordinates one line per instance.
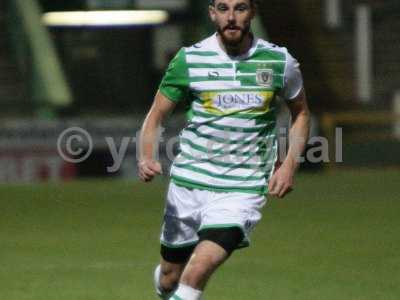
(201, 266)
(174, 261)
(169, 279)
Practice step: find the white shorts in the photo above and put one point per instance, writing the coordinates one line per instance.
(189, 211)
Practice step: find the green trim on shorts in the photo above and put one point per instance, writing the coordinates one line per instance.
(184, 245)
(183, 182)
(175, 297)
(243, 244)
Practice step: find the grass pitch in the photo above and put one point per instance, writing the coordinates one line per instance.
(337, 236)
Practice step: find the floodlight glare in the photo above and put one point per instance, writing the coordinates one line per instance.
(105, 18)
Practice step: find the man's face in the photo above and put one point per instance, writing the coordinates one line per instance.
(232, 19)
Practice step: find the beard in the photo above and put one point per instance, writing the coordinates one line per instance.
(233, 40)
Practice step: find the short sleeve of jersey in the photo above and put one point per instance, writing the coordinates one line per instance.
(293, 79)
(175, 83)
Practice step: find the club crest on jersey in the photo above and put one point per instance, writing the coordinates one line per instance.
(265, 77)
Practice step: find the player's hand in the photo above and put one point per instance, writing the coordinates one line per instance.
(281, 182)
(148, 169)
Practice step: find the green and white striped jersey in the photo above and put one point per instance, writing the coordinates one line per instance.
(229, 143)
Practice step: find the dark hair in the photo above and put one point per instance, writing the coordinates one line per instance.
(252, 2)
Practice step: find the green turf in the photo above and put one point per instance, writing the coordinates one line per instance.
(335, 237)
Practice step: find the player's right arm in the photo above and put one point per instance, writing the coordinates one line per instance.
(173, 88)
(149, 137)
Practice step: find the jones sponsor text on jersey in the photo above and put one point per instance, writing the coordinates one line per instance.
(238, 100)
(229, 102)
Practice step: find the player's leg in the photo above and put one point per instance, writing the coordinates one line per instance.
(168, 272)
(226, 222)
(215, 246)
(166, 278)
(178, 238)
(169, 275)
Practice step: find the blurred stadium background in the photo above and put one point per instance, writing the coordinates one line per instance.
(78, 231)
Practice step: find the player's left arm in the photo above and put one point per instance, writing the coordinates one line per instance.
(282, 180)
